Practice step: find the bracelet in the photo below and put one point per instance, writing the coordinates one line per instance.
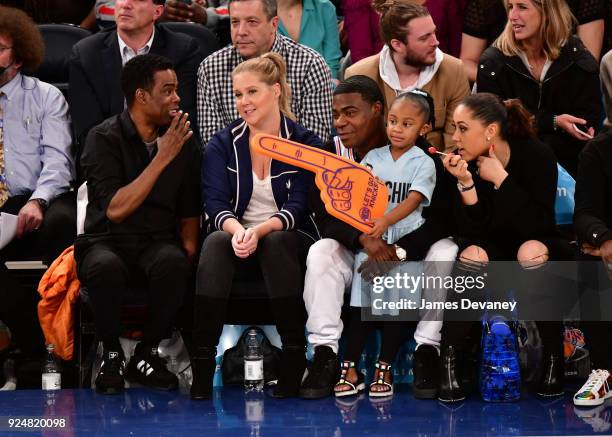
(463, 188)
(555, 125)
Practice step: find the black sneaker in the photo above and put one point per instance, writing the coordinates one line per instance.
(110, 377)
(425, 362)
(322, 375)
(149, 369)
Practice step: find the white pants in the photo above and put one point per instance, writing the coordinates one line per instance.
(329, 275)
(438, 262)
(329, 272)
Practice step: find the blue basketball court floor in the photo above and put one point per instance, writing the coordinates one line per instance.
(142, 412)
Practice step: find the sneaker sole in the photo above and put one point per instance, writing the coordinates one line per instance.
(587, 403)
(592, 403)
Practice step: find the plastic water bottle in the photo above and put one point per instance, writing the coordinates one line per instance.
(51, 376)
(500, 375)
(254, 411)
(253, 363)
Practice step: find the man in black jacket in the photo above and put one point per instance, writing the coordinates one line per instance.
(593, 224)
(95, 93)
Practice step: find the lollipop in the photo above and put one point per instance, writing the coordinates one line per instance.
(432, 150)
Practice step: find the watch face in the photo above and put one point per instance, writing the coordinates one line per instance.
(401, 253)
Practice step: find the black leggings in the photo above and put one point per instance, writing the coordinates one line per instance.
(280, 257)
(393, 334)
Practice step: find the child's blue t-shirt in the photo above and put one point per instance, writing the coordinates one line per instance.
(413, 171)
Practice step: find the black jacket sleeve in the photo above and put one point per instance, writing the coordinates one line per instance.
(590, 196)
(524, 203)
(189, 202)
(85, 108)
(186, 68)
(528, 207)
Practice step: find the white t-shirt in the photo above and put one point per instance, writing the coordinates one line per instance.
(262, 204)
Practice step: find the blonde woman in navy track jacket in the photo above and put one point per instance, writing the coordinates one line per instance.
(259, 215)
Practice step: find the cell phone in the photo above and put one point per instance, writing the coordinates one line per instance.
(582, 130)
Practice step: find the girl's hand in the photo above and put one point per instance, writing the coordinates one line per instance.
(380, 227)
(491, 169)
(458, 168)
(567, 122)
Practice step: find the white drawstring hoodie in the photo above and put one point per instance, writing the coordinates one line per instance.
(388, 73)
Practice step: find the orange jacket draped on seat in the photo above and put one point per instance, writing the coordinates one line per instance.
(59, 290)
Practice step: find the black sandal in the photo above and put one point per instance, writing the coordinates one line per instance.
(356, 388)
(383, 369)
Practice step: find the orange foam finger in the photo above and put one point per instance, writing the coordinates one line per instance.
(300, 155)
(364, 197)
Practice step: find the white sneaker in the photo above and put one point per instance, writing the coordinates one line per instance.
(596, 390)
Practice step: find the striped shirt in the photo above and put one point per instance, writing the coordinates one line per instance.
(307, 74)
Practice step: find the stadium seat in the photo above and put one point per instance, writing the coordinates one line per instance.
(59, 39)
(208, 40)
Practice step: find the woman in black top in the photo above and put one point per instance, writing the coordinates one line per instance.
(504, 210)
(537, 60)
(484, 21)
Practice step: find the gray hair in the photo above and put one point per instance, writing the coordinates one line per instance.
(269, 7)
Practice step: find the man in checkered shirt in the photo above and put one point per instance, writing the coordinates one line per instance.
(253, 32)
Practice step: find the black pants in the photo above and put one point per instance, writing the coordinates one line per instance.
(280, 257)
(108, 268)
(393, 334)
(551, 332)
(597, 333)
(17, 303)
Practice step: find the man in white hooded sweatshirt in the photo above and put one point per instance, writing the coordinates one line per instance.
(411, 59)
